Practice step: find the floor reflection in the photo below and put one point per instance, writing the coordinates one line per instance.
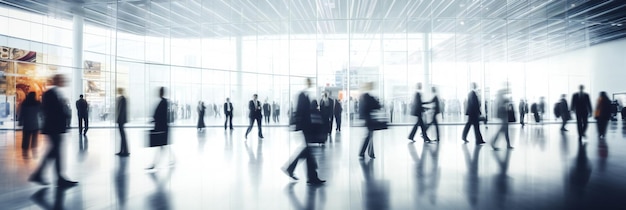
(121, 181)
(472, 181)
(160, 198)
(502, 181)
(375, 190)
(579, 175)
(58, 201)
(427, 170)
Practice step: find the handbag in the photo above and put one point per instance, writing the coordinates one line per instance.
(379, 121)
(157, 138)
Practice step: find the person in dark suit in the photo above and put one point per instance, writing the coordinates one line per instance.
(122, 118)
(417, 111)
(337, 112)
(275, 112)
(564, 112)
(201, 111)
(327, 109)
(254, 106)
(523, 110)
(83, 114)
(302, 120)
(228, 112)
(267, 111)
(437, 110)
(473, 113)
(28, 117)
(53, 126)
(161, 124)
(368, 105)
(581, 105)
(603, 113)
(502, 104)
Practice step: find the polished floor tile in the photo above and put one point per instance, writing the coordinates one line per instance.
(220, 169)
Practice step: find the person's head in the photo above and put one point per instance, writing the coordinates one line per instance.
(81, 96)
(325, 94)
(255, 96)
(58, 80)
(309, 82)
(120, 91)
(161, 92)
(581, 88)
(474, 86)
(419, 86)
(563, 96)
(32, 96)
(603, 95)
(227, 99)
(433, 89)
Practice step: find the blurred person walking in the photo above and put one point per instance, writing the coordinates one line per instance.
(436, 111)
(201, 110)
(28, 118)
(563, 111)
(523, 110)
(581, 105)
(473, 113)
(254, 106)
(228, 113)
(160, 133)
(602, 114)
(337, 112)
(302, 121)
(267, 112)
(53, 126)
(417, 110)
(502, 106)
(368, 104)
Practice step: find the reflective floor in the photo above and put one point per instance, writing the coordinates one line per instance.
(547, 169)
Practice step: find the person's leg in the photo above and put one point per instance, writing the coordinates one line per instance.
(466, 130)
(414, 130)
(34, 139)
(230, 120)
(26, 139)
(311, 166)
(479, 137)
(365, 144)
(338, 119)
(371, 143)
(422, 125)
(124, 143)
(55, 154)
(80, 124)
(505, 129)
(579, 125)
(436, 123)
(86, 124)
(258, 124)
(250, 126)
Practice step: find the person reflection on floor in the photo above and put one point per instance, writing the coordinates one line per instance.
(59, 198)
(427, 179)
(310, 197)
(160, 199)
(578, 178)
(121, 181)
(376, 192)
(472, 182)
(255, 164)
(83, 145)
(501, 180)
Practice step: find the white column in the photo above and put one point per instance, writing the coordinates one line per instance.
(77, 46)
(426, 93)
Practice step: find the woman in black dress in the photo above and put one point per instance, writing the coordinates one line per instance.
(201, 110)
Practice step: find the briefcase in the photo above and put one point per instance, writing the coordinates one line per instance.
(157, 138)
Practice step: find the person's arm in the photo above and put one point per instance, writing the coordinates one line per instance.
(588, 106)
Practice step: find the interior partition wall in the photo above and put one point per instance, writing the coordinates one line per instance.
(272, 57)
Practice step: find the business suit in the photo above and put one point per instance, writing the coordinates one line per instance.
(83, 115)
(337, 113)
(473, 113)
(267, 111)
(53, 125)
(581, 105)
(437, 110)
(303, 123)
(122, 118)
(228, 112)
(161, 116)
(254, 106)
(523, 109)
(417, 111)
(326, 110)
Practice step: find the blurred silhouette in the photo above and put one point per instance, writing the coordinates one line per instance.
(368, 105)
(302, 120)
(53, 126)
(228, 112)
(161, 198)
(563, 111)
(30, 111)
(473, 179)
(82, 107)
(376, 191)
(121, 181)
(578, 178)
(275, 112)
(581, 105)
(473, 113)
(83, 145)
(417, 110)
(602, 114)
(201, 111)
(310, 197)
(161, 127)
(502, 105)
(603, 154)
(436, 111)
(59, 198)
(501, 180)
(254, 106)
(326, 110)
(427, 179)
(68, 111)
(122, 118)
(255, 164)
(337, 112)
(541, 108)
(523, 110)
(267, 111)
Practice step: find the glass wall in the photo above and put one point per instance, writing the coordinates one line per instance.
(272, 58)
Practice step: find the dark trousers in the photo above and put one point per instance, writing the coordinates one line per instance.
(229, 119)
(473, 121)
(368, 144)
(583, 123)
(53, 154)
(29, 138)
(258, 123)
(275, 116)
(436, 123)
(504, 129)
(82, 119)
(537, 117)
(124, 143)
(563, 123)
(311, 163)
(267, 118)
(602, 126)
(338, 121)
(521, 118)
(420, 123)
(330, 123)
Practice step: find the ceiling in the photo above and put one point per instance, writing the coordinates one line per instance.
(509, 30)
